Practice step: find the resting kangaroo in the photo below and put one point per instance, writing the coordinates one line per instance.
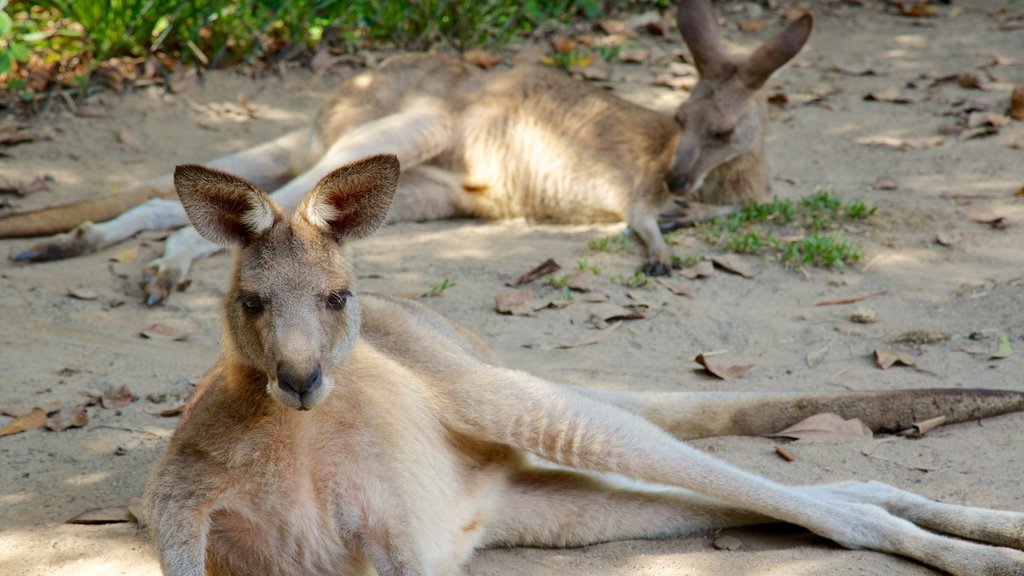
(527, 142)
(343, 433)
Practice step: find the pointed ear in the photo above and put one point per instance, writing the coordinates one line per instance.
(224, 209)
(353, 201)
(771, 55)
(698, 26)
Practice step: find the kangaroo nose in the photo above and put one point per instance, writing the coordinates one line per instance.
(298, 383)
(677, 183)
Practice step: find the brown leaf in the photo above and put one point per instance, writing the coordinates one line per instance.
(481, 58)
(986, 215)
(902, 143)
(160, 331)
(723, 372)
(916, 10)
(546, 267)
(677, 288)
(30, 421)
(922, 336)
(37, 184)
(170, 412)
(923, 427)
(73, 418)
(83, 293)
(11, 134)
(562, 43)
(594, 297)
(518, 303)
(892, 95)
(112, 515)
(18, 411)
(735, 264)
(969, 80)
(116, 397)
(612, 26)
(825, 428)
(1017, 102)
(850, 299)
(607, 311)
(584, 281)
(783, 453)
(702, 269)
(885, 183)
(751, 26)
(886, 358)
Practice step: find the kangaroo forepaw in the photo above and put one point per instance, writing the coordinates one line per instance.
(657, 268)
(74, 242)
(159, 280)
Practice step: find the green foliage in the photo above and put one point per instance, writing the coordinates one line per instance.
(612, 244)
(439, 288)
(11, 49)
(815, 221)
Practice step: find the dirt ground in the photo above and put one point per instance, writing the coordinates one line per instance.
(57, 348)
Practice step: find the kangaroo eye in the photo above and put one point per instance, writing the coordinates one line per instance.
(336, 300)
(723, 135)
(251, 303)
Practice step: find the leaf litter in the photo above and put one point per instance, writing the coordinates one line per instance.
(719, 371)
(825, 428)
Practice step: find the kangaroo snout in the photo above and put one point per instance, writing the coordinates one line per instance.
(298, 381)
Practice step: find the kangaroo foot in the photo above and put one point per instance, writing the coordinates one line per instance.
(160, 279)
(75, 242)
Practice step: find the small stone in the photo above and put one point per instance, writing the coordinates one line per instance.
(864, 315)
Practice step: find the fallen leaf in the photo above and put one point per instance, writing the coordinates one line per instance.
(916, 10)
(892, 95)
(783, 453)
(607, 311)
(518, 303)
(584, 281)
(1017, 102)
(702, 269)
(864, 315)
(562, 43)
(546, 267)
(850, 299)
(1004, 350)
(902, 143)
(116, 397)
(815, 356)
(612, 26)
(727, 542)
(723, 372)
(74, 418)
(37, 184)
(598, 337)
(634, 54)
(922, 336)
(825, 428)
(993, 119)
(751, 26)
(969, 80)
(986, 215)
(83, 293)
(677, 288)
(91, 111)
(30, 421)
(19, 411)
(948, 238)
(923, 427)
(160, 331)
(113, 515)
(11, 134)
(170, 412)
(126, 256)
(481, 58)
(886, 358)
(885, 183)
(735, 264)
(594, 297)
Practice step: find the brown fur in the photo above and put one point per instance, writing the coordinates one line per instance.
(367, 435)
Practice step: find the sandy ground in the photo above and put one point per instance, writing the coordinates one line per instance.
(57, 348)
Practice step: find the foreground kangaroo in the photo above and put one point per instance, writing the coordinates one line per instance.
(342, 433)
(527, 142)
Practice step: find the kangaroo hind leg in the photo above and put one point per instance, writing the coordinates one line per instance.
(562, 508)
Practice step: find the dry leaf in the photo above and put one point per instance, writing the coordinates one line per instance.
(584, 281)
(1004, 350)
(825, 428)
(90, 111)
(892, 95)
(850, 299)
(612, 26)
(1017, 102)
(481, 58)
(815, 356)
(735, 264)
(886, 358)
(752, 26)
(727, 542)
(864, 315)
(598, 337)
(916, 10)
(723, 372)
(923, 427)
(30, 421)
(160, 331)
(116, 397)
(113, 515)
(986, 215)
(74, 418)
(702, 269)
(83, 293)
(518, 303)
(562, 43)
(885, 183)
(677, 288)
(594, 297)
(11, 134)
(902, 143)
(37, 184)
(607, 311)
(546, 267)
(126, 256)
(948, 238)
(171, 412)
(783, 453)
(921, 336)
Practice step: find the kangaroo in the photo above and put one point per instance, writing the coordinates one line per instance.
(525, 142)
(345, 433)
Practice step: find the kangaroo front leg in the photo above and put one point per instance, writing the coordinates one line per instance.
(643, 220)
(165, 274)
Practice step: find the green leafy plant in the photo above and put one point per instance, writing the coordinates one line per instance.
(439, 288)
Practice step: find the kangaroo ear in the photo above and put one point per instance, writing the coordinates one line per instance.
(224, 209)
(353, 201)
(699, 28)
(778, 50)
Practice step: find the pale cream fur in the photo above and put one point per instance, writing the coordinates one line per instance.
(523, 142)
(416, 446)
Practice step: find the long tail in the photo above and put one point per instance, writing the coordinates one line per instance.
(703, 414)
(46, 221)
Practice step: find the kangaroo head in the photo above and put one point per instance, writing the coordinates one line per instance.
(724, 116)
(292, 312)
